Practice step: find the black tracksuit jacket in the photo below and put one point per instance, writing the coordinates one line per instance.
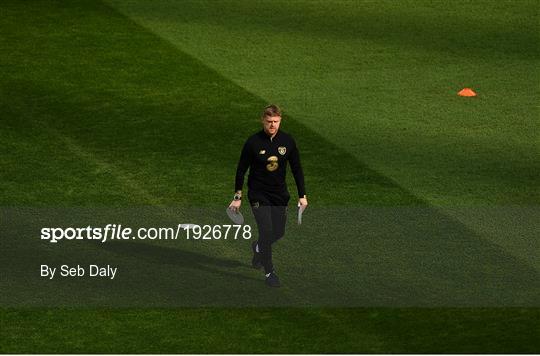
(267, 159)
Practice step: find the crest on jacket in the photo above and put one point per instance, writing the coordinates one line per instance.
(282, 150)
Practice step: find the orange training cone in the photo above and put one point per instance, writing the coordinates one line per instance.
(466, 92)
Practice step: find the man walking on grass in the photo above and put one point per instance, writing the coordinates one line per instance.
(266, 154)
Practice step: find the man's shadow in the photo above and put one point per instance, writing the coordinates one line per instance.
(173, 256)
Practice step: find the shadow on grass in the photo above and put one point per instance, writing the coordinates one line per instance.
(161, 123)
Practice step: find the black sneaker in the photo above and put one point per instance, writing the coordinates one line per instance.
(272, 280)
(256, 260)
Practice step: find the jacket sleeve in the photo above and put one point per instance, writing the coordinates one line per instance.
(298, 173)
(243, 165)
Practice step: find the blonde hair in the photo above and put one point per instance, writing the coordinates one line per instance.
(271, 110)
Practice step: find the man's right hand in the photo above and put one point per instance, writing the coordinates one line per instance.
(235, 205)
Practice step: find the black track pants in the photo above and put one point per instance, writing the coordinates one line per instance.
(270, 211)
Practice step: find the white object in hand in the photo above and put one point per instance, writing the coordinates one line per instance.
(235, 215)
(301, 209)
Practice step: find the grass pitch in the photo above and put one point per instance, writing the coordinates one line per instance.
(127, 104)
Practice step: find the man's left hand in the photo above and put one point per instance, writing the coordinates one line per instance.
(302, 203)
